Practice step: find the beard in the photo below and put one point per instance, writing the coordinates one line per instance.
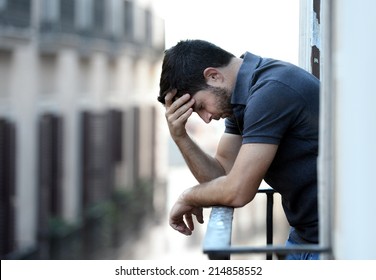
(223, 103)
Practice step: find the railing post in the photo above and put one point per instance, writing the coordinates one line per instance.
(269, 221)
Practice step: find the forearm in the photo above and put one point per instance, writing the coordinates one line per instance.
(235, 189)
(216, 192)
(219, 191)
(203, 166)
(241, 184)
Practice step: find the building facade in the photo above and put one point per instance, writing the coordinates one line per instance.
(77, 116)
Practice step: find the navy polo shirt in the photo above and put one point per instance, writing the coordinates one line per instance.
(278, 103)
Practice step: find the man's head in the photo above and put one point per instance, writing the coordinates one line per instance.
(185, 65)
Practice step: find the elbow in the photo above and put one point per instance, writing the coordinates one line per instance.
(238, 202)
(238, 199)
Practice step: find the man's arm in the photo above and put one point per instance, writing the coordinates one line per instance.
(235, 189)
(203, 166)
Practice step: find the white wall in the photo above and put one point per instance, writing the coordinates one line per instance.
(354, 59)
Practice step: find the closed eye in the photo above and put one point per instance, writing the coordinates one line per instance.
(197, 108)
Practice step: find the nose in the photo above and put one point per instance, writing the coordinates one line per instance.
(205, 116)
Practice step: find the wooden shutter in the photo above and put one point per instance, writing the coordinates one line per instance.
(97, 158)
(7, 186)
(50, 169)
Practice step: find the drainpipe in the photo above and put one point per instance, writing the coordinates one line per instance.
(326, 138)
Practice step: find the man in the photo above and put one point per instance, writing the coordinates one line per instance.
(271, 110)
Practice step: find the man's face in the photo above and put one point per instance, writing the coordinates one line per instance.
(213, 103)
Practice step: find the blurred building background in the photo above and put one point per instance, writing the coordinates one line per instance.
(78, 120)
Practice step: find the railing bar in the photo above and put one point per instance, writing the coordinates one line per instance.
(266, 190)
(267, 249)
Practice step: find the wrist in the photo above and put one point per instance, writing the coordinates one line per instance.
(181, 139)
(185, 197)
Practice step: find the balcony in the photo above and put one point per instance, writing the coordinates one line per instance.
(93, 26)
(16, 14)
(217, 242)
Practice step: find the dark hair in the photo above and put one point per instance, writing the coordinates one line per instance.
(184, 64)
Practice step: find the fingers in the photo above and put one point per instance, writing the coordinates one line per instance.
(180, 227)
(169, 97)
(180, 118)
(189, 221)
(178, 106)
(181, 115)
(199, 215)
(176, 220)
(186, 227)
(173, 103)
(181, 218)
(178, 113)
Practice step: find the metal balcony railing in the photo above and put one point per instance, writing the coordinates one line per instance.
(217, 240)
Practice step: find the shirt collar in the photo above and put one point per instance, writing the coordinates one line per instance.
(244, 78)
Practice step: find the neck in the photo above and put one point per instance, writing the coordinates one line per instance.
(233, 70)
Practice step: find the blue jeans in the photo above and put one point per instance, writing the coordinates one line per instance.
(295, 240)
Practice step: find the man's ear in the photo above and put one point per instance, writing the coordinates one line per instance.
(213, 76)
